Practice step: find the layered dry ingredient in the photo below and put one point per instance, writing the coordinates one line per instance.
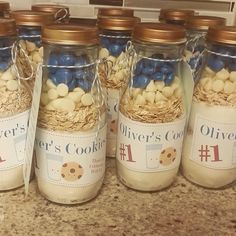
(197, 28)
(116, 57)
(151, 106)
(213, 108)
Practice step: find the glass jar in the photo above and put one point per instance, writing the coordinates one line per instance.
(15, 103)
(4, 9)
(209, 146)
(29, 25)
(61, 12)
(114, 69)
(197, 27)
(175, 16)
(152, 113)
(117, 12)
(71, 132)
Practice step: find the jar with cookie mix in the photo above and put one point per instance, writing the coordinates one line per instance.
(15, 102)
(152, 110)
(197, 27)
(61, 12)
(114, 69)
(175, 16)
(209, 151)
(4, 9)
(29, 26)
(71, 132)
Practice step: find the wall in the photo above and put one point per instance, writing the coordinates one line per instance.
(148, 10)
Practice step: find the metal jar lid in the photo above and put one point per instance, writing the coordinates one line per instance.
(7, 27)
(176, 14)
(115, 12)
(4, 6)
(59, 10)
(222, 34)
(70, 35)
(159, 33)
(32, 18)
(204, 22)
(117, 23)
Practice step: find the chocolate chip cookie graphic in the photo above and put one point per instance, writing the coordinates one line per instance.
(113, 126)
(167, 156)
(71, 171)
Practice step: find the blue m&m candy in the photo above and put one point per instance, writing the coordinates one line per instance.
(84, 84)
(3, 65)
(215, 63)
(157, 76)
(66, 59)
(63, 75)
(169, 79)
(167, 69)
(115, 49)
(72, 84)
(140, 81)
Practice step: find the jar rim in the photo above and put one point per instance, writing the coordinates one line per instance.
(4, 6)
(70, 34)
(222, 34)
(176, 14)
(159, 33)
(117, 23)
(204, 22)
(32, 18)
(7, 27)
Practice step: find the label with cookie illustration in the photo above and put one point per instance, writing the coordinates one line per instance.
(112, 120)
(12, 140)
(213, 137)
(149, 147)
(72, 160)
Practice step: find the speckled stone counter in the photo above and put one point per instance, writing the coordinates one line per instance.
(183, 209)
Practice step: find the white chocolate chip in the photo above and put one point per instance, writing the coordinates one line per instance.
(50, 107)
(188, 55)
(63, 104)
(44, 99)
(178, 93)
(30, 46)
(12, 85)
(222, 74)
(78, 89)
(36, 57)
(62, 90)
(229, 87)
(87, 99)
(22, 44)
(217, 85)
(140, 100)
(232, 76)
(151, 87)
(159, 85)
(209, 72)
(149, 96)
(159, 97)
(111, 59)
(204, 80)
(136, 92)
(52, 94)
(103, 53)
(50, 84)
(75, 96)
(167, 91)
(7, 75)
(208, 85)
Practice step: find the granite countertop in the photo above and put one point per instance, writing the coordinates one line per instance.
(182, 209)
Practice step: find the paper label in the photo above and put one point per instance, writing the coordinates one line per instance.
(29, 147)
(214, 142)
(12, 140)
(70, 160)
(113, 98)
(149, 147)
